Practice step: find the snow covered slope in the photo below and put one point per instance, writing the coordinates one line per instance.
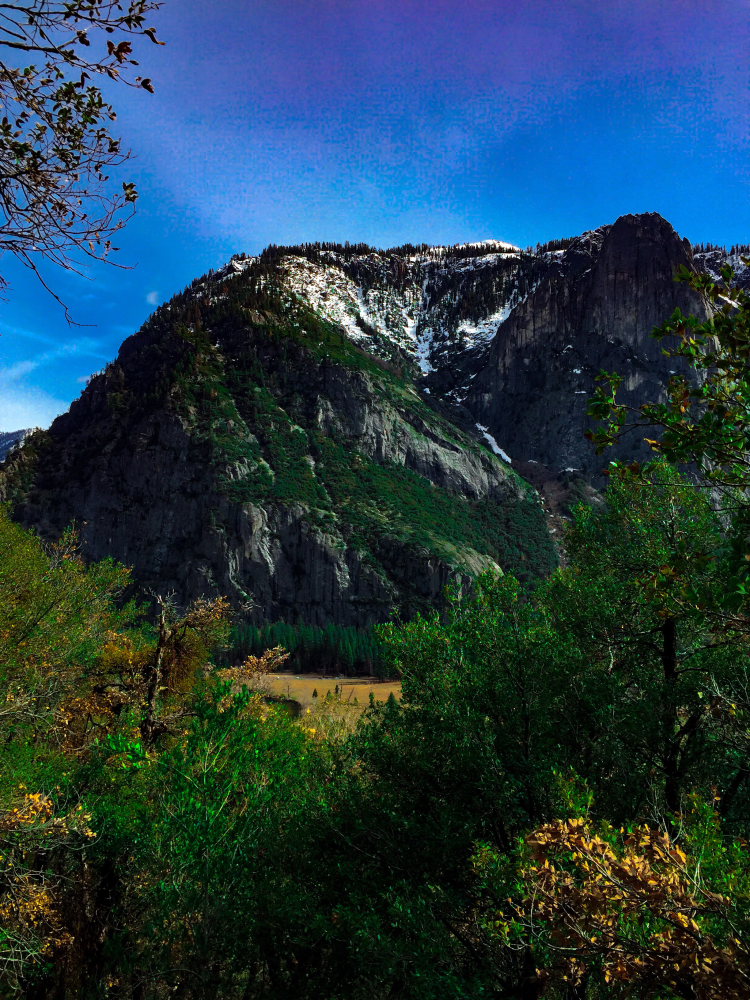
(417, 304)
(436, 307)
(9, 440)
(711, 261)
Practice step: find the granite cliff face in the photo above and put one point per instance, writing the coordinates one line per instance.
(592, 308)
(323, 433)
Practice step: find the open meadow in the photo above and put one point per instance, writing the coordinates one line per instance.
(311, 690)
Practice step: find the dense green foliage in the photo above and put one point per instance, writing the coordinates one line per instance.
(470, 840)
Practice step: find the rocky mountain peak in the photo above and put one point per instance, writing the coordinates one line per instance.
(592, 308)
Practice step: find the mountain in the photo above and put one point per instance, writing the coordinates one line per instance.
(12, 439)
(323, 432)
(565, 311)
(242, 445)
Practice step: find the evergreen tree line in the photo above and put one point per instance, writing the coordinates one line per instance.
(552, 245)
(329, 649)
(736, 248)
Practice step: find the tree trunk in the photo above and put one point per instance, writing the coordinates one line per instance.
(154, 679)
(670, 717)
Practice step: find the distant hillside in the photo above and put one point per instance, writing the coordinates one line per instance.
(331, 433)
(243, 445)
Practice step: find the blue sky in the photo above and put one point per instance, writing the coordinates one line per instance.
(388, 121)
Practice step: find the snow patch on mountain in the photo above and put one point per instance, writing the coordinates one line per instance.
(416, 314)
(712, 261)
(372, 317)
(424, 304)
(484, 330)
(10, 440)
(487, 245)
(236, 265)
(494, 446)
(424, 351)
(329, 292)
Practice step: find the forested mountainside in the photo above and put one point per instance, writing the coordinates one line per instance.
(242, 445)
(324, 433)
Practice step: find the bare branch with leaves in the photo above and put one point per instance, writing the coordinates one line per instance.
(57, 149)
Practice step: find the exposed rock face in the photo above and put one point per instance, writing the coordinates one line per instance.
(301, 483)
(591, 310)
(711, 261)
(321, 432)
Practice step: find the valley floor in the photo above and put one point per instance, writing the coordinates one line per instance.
(310, 689)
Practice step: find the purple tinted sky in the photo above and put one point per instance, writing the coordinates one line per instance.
(389, 121)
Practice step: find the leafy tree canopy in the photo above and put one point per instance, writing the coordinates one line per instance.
(56, 142)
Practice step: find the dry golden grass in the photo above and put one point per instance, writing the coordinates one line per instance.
(352, 691)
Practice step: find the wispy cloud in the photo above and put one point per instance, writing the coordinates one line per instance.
(17, 371)
(37, 372)
(153, 298)
(93, 347)
(24, 406)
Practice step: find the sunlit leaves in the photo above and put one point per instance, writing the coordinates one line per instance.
(32, 927)
(629, 907)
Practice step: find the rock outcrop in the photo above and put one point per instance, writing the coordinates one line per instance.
(592, 309)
